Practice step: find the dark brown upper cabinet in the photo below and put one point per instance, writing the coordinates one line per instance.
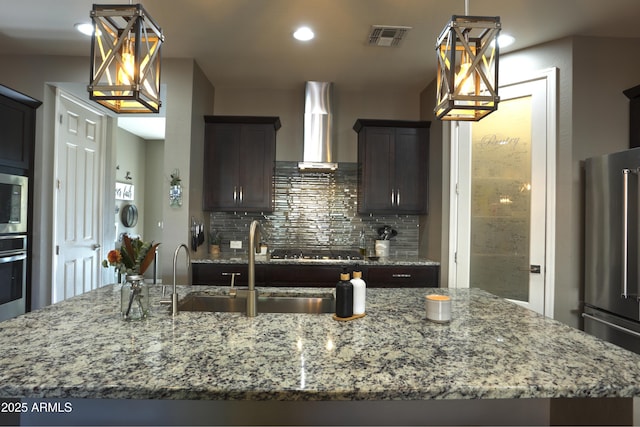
(634, 115)
(239, 162)
(17, 130)
(393, 161)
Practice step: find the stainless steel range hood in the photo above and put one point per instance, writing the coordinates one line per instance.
(318, 128)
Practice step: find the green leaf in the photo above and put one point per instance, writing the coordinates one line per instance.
(148, 259)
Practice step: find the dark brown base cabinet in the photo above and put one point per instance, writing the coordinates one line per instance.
(404, 277)
(421, 276)
(220, 274)
(393, 161)
(239, 162)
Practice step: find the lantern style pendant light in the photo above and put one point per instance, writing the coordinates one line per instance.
(467, 82)
(125, 59)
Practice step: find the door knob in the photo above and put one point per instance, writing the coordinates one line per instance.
(95, 246)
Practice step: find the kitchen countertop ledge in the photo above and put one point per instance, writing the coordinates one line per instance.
(492, 349)
(384, 261)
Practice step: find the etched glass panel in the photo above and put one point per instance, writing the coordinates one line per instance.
(501, 200)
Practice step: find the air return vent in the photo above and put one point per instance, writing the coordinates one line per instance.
(386, 35)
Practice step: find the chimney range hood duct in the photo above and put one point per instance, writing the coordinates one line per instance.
(318, 128)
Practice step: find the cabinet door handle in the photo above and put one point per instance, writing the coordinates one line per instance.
(395, 197)
(241, 195)
(401, 276)
(235, 193)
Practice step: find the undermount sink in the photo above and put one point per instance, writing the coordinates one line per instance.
(314, 304)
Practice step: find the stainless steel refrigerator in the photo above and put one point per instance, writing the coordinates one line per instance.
(612, 207)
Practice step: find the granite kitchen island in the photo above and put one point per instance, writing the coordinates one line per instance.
(226, 368)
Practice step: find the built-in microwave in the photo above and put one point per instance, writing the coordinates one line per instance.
(13, 203)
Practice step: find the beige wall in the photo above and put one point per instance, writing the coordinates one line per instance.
(434, 226)
(188, 97)
(203, 97)
(38, 76)
(592, 119)
(154, 196)
(583, 130)
(34, 76)
(602, 69)
(130, 157)
(349, 105)
(513, 66)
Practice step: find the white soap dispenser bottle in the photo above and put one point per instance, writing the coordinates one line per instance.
(359, 293)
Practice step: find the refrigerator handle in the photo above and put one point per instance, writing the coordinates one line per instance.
(625, 231)
(612, 325)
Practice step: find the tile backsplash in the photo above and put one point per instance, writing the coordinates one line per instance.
(315, 210)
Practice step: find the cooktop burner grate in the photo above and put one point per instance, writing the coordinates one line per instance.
(316, 254)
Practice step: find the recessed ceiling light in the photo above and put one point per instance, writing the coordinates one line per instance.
(85, 28)
(505, 40)
(303, 34)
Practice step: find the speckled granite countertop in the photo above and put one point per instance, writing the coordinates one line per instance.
(492, 349)
(242, 259)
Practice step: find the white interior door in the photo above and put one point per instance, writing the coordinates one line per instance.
(503, 190)
(78, 199)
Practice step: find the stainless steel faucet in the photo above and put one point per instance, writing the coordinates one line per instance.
(174, 296)
(252, 294)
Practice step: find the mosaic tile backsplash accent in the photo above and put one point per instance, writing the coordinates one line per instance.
(316, 210)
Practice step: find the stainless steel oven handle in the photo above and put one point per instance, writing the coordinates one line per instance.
(612, 325)
(12, 258)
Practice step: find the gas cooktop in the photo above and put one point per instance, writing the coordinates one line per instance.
(316, 254)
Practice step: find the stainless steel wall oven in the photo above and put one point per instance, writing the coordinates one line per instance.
(13, 275)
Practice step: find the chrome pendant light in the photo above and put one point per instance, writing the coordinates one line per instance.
(467, 82)
(125, 59)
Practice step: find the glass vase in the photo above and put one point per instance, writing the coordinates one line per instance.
(175, 196)
(134, 298)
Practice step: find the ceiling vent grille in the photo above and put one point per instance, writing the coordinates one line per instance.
(386, 35)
